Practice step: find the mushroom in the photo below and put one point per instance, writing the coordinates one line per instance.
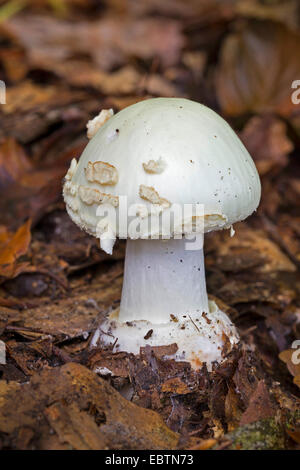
(160, 156)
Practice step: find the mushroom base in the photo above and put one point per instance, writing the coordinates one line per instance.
(205, 338)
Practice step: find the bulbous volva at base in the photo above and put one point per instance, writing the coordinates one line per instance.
(203, 339)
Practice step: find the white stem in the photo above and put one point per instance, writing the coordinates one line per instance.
(161, 279)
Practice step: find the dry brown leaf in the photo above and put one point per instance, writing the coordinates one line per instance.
(284, 11)
(27, 95)
(126, 80)
(109, 41)
(288, 226)
(100, 361)
(83, 411)
(297, 380)
(195, 61)
(160, 351)
(260, 405)
(12, 247)
(232, 409)
(79, 429)
(175, 386)
(246, 378)
(35, 190)
(204, 444)
(14, 62)
(266, 139)
(74, 315)
(291, 357)
(157, 85)
(31, 200)
(204, 10)
(294, 434)
(13, 162)
(257, 66)
(248, 248)
(121, 102)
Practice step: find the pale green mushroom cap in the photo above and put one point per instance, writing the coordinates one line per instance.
(160, 152)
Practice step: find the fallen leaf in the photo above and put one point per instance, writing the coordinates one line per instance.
(285, 12)
(195, 61)
(14, 63)
(175, 386)
(291, 358)
(126, 80)
(204, 444)
(12, 248)
(79, 429)
(27, 95)
(243, 84)
(13, 162)
(297, 380)
(101, 361)
(294, 434)
(31, 201)
(265, 137)
(121, 102)
(35, 191)
(109, 41)
(161, 351)
(82, 410)
(246, 377)
(248, 249)
(157, 85)
(205, 11)
(260, 405)
(233, 410)
(74, 314)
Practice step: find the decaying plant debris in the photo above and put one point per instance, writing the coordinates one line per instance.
(59, 388)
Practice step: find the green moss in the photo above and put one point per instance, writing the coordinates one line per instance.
(266, 434)
(293, 420)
